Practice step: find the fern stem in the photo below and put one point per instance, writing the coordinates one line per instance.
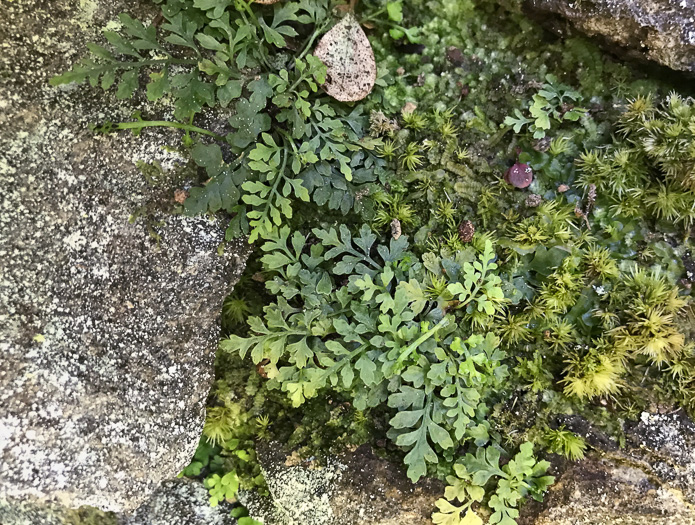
(152, 62)
(274, 190)
(424, 337)
(254, 18)
(373, 16)
(310, 42)
(140, 124)
(156, 61)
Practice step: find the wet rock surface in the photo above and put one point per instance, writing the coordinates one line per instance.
(351, 489)
(108, 303)
(649, 481)
(659, 30)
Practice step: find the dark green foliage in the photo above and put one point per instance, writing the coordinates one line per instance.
(554, 102)
(287, 142)
(242, 517)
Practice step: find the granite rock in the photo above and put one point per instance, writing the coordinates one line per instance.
(649, 481)
(181, 502)
(109, 304)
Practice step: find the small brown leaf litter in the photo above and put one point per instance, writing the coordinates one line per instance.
(589, 202)
(455, 56)
(180, 196)
(533, 201)
(466, 231)
(349, 59)
(396, 229)
(266, 2)
(408, 108)
(520, 175)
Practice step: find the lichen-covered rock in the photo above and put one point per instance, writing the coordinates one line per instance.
(181, 502)
(658, 30)
(107, 325)
(649, 481)
(351, 489)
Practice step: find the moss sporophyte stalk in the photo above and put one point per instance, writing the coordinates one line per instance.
(495, 237)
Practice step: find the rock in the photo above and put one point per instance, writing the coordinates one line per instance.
(650, 481)
(181, 502)
(659, 30)
(175, 502)
(108, 303)
(351, 489)
(31, 513)
(600, 492)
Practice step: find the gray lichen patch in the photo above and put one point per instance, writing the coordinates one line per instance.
(107, 328)
(299, 495)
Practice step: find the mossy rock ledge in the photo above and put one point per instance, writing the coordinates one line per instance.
(109, 308)
(108, 326)
(662, 31)
(651, 480)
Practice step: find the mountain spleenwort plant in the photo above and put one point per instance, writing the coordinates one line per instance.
(360, 317)
(284, 139)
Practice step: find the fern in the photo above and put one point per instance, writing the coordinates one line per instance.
(354, 316)
(521, 477)
(288, 142)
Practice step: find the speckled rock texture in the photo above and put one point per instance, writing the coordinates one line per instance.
(649, 481)
(180, 502)
(351, 489)
(659, 30)
(107, 327)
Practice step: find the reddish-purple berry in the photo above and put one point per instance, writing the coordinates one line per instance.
(520, 175)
